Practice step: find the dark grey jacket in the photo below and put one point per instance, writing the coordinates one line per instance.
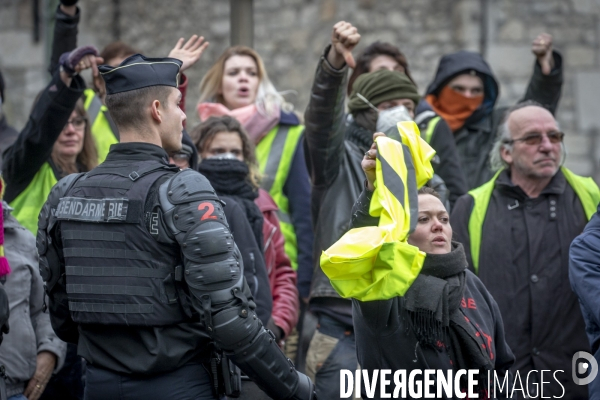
(335, 171)
(8, 135)
(524, 263)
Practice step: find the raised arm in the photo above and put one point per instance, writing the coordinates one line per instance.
(546, 82)
(189, 53)
(324, 117)
(34, 145)
(66, 20)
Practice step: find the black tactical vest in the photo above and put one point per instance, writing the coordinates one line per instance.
(116, 272)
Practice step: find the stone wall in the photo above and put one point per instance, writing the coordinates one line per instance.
(290, 36)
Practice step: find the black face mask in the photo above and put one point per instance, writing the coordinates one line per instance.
(228, 176)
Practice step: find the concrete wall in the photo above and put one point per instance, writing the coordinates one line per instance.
(290, 36)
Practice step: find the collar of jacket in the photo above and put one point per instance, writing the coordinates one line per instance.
(9, 221)
(483, 125)
(288, 118)
(137, 151)
(557, 185)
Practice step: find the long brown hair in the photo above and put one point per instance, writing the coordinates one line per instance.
(88, 156)
(267, 96)
(203, 134)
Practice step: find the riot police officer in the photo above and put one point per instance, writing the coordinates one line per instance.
(140, 267)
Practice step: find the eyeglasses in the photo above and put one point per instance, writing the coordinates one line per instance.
(535, 139)
(77, 122)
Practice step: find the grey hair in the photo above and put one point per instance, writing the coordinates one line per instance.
(504, 135)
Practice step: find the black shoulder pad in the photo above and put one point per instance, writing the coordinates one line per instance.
(189, 185)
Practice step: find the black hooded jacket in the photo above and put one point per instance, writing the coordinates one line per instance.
(475, 139)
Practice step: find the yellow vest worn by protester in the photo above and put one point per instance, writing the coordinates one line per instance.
(103, 130)
(585, 188)
(28, 204)
(376, 262)
(428, 134)
(275, 153)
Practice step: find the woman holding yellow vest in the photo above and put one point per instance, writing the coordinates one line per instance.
(238, 85)
(443, 318)
(55, 142)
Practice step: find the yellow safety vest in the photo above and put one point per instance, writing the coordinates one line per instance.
(28, 204)
(428, 133)
(103, 130)
(376, 262)
(275, 153)
(585, 188)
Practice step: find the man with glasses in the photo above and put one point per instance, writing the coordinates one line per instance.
(516, 230)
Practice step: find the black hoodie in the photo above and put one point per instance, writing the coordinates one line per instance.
(475, 139)
(458, 63)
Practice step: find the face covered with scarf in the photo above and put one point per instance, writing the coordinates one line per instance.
(459, 99)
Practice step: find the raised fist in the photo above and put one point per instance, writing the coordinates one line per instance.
(344, 38)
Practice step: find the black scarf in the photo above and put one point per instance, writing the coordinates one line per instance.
(360, 130)
(433, 304)
(229, 177)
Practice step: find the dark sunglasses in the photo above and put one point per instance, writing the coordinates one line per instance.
(536, 138)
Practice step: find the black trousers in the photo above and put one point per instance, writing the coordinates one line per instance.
(190, 382)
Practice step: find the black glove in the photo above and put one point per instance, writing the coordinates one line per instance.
(275, 329)
(68, 3)
(4, 312)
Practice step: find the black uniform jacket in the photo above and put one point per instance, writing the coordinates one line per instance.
(150, 350)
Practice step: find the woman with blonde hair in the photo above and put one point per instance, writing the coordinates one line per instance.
(237, 85)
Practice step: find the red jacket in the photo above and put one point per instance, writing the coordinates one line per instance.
(281, 275)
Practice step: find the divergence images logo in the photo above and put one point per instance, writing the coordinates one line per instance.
(581, 367)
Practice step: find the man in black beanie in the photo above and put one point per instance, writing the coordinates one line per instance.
(8, 134)
(140, 265)
(334, 151)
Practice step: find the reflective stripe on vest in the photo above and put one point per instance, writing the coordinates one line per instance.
(28, 204)
(585, 188)
(102, 130)
(428, 134)
(377, 263)
(275, 153)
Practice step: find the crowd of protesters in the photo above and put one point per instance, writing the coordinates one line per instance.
(502, 222)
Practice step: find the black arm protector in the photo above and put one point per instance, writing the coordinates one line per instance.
(52, 266)
(214, 274)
